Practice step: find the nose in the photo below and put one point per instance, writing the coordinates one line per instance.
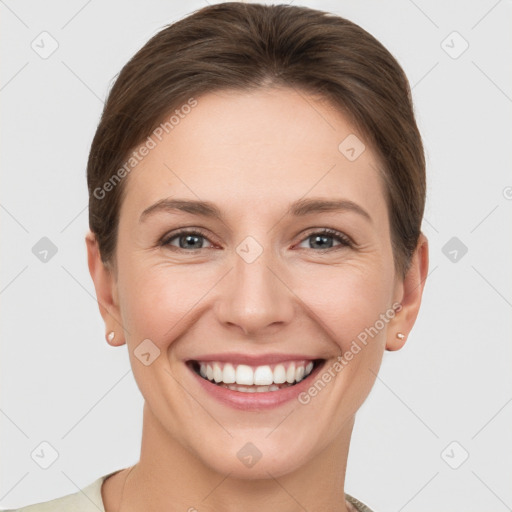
(254, 297)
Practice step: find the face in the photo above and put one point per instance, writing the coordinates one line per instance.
(260, 282)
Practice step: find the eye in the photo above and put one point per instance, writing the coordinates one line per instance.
(194, 239)
(323, 239)
(187, 239)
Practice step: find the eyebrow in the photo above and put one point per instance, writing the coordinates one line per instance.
(299, 208)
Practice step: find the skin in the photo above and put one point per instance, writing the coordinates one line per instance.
(252, 154)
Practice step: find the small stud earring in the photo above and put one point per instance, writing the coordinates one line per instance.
(400, 336)
(110, 336)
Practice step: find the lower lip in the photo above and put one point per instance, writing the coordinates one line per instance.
(256, 401)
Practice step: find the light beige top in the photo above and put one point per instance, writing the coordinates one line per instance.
(89, 499)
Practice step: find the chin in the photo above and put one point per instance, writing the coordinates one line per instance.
(254, 455)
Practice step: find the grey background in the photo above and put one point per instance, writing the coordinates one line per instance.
(63, 384)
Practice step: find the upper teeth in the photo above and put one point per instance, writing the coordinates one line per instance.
(259, 375)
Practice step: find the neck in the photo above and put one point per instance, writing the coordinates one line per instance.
(170, 477)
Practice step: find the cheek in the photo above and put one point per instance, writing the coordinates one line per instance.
(346, 300)
(158, 301)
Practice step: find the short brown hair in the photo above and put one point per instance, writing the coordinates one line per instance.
(241, 46)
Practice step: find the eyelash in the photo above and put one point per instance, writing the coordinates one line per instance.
(344, 240)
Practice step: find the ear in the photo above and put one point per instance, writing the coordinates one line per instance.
(106, 290)
(409, 293)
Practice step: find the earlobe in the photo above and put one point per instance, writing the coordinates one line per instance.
(397, 342)
(411, 295)
(113, 340)
(106, 291)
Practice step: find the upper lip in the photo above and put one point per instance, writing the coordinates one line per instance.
(253, 360)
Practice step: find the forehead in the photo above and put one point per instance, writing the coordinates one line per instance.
(255, 149)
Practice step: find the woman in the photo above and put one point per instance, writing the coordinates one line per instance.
(257, 186)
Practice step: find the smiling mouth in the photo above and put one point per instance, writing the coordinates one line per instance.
(255, 379)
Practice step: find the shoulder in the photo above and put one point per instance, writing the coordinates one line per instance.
(358, 505)
(87, 499)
